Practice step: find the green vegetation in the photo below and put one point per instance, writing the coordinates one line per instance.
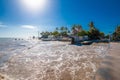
(64, 31)
(76, 30)
(116, 34)
(94, 33)
(83, 33)
(46, 34)
(55, 33)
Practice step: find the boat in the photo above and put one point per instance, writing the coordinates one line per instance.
(86, 42)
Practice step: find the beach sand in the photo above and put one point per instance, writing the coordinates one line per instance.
(53, 60)
(109, 68)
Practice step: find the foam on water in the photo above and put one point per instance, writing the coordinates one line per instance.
(54, 61)
(10, 46)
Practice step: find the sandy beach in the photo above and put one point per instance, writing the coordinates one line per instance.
(109, 68)
(53, 60)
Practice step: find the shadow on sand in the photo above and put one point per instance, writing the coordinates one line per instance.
(109, 69)
(104, 74)
(77, 44)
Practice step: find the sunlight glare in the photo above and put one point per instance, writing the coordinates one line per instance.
(34, 6)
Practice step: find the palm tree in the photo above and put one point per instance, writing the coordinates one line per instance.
(42, 33)
(94, 33)
(116, 34)
(118, 29)
(62, 30)
(79, 28)
(76, 29)
(66, 28)
(91, 25)
(66, 31)
(57, 29)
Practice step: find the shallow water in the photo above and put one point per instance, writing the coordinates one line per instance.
(10, 46)
(53, 60)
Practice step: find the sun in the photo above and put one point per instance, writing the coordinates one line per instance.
(34, 6)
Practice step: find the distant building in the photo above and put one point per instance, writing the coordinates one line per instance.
(80, 38)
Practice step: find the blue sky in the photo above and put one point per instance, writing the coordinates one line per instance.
(17, 21)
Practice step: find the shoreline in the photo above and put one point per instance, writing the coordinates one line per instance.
(57, 58)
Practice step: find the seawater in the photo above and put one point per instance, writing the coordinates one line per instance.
(7, 43)
(10, 46)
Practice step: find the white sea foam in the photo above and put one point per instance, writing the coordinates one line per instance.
(45, 59)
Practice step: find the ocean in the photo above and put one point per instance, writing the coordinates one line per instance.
(10, 46)
(49, 60)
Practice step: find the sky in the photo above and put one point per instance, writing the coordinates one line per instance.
(24, 18)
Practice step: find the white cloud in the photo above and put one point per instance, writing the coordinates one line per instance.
(29, 27)
(2, 25)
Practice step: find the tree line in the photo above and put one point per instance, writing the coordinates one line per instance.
(76, 30)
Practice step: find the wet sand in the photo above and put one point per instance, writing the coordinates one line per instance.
(54, 61)
(110, 66)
